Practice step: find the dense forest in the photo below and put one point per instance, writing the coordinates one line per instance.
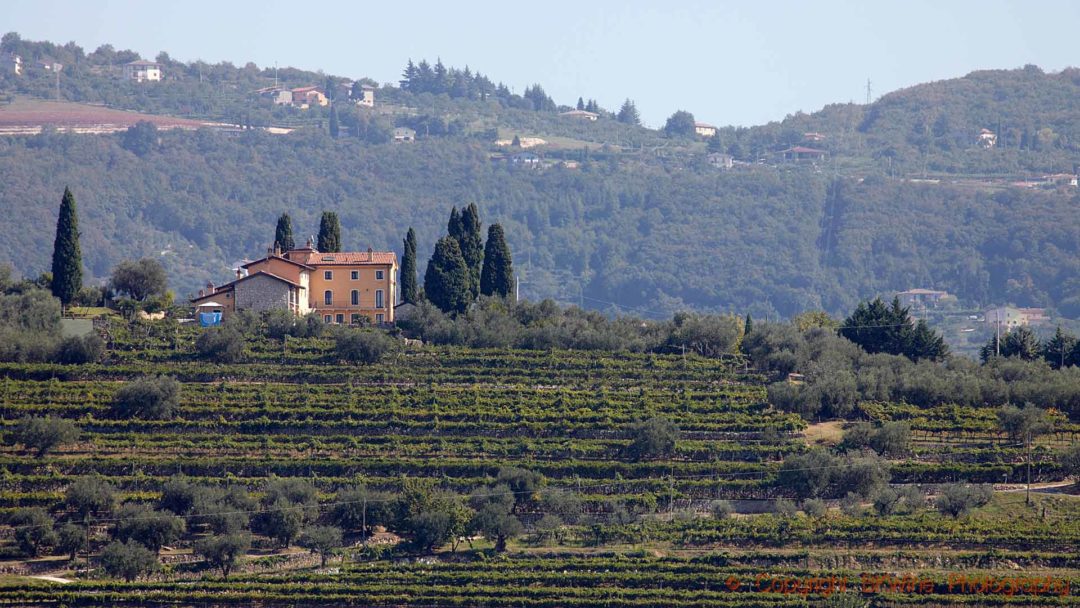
(637, 220)
(645, 235)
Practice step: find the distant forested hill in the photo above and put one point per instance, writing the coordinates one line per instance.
(654, 234)
(906, 197)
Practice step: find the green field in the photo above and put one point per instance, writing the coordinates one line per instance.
(643, 536)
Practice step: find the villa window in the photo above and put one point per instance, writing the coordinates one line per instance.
(328, 275)
(327, 318)
(356, 275)
(328, 297)
(378, 298)
(379, 275)
(355, 298)
(340, 318)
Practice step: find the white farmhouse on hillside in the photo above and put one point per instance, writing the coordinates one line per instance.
(142, 71)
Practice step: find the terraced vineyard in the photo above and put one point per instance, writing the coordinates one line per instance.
(643, 534)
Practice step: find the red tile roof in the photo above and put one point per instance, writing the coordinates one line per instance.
(277, 257)
(317, 258)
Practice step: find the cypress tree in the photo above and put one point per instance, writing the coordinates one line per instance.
(409, 287)
(67, 257)
(334, 128)
(329, 233)
(472, 245)
(446, 281)
(748, 326)
(497, 276)
(454, 227)
(1058, 349)
(283, 238)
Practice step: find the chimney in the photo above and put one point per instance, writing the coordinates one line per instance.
(239, 273)
(277, 249)
(210, 289)
(370, 257)
(202, 293)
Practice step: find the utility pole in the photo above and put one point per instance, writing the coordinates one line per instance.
(868, 91)
(671, 494)
(997, 333)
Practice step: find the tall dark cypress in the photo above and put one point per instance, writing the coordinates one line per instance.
(454, 227)
(67, 257)
(497, 276)
(334, 126)
(446, 281)
(410, 290)
(283, 237)
(329, 233)
(471, 243)
(748, 326)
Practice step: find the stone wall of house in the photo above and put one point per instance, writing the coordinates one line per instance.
(262, 293)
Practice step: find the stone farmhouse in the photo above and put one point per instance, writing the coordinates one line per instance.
(344, 288)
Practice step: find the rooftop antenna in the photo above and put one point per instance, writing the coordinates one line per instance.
(868, 91)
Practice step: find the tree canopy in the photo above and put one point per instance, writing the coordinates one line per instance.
(446, 282)
(67, 270)
(497, 274)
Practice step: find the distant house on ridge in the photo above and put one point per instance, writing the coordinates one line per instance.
(704, 129)
(404, 134)
(305, 97)
(797, 154)
(142, 71)
(580, 115)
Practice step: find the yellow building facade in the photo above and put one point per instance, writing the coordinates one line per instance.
(344, 288)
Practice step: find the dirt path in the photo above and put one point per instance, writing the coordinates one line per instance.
(53, 579)
(1048, 488)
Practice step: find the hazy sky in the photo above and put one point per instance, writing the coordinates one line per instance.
(739, 62)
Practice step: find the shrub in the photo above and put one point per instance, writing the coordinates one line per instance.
(563, 504)
(654, 438)
(322, 540)
(363, 346)
(1070, 461)
(151, 397)
(43, 434)
(153, 529)
(224, 552)
(851, 505)
(358, 506)
(140, 279)
(282, 323)
(785, 508)
(76, 350)
(225, 511)
(956, 499)
(220, 344)
(90, 496)
(70, 538)
(33, 530)
(890, 439)
(815, 507)
(128, 560)
(721, 509)
(288, 504)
